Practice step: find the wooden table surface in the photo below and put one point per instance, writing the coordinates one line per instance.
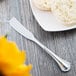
(62, 43)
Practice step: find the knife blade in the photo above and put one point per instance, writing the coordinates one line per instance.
(21, 29)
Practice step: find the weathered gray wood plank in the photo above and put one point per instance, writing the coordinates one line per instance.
(62, 43)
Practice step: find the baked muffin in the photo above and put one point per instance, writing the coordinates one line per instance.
(42, 4)
(64, 10)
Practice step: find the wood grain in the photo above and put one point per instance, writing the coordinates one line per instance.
(62, 43)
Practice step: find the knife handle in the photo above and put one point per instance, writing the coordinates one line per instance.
(63, 64)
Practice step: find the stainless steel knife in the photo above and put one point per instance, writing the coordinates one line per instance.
(63, 64)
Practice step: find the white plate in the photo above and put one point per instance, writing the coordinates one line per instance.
(47, 21)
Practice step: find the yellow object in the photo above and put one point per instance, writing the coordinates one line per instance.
(12, 60)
